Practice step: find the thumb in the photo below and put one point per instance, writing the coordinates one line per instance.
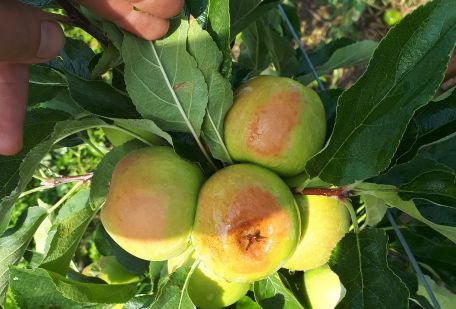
(13, 98)
(32, 35)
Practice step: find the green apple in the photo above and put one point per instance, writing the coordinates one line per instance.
(325, 222)
(151, 203)
(247, 223)
(110, 270)
(206, 290)
(323, 288)
(392, 17)
(275, 122)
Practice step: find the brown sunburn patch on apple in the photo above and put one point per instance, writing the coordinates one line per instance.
(269, 132)
(254, 227)
(133, 212)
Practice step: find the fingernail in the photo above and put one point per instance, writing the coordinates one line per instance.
(51, 41)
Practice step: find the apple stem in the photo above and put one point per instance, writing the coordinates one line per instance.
(341, 193)
(76, 18)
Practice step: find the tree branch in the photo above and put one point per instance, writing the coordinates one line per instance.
(54, 182)
(340, 193)
(76, 18)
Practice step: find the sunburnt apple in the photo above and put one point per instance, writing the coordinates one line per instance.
(206, 290)
(323, 289)
(247, 223)
(325, 222)
(110, 270)
(151, 203)
(275, 122)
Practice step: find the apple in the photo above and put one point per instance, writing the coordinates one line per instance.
(206, 290)
(392, 17)
(247, 223)
(323, 289)
(151, 203)
(275, 122)
(110, 270)
(325, 221)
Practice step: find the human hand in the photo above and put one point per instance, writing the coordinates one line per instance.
(29, 35)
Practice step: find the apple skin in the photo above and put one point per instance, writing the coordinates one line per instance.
(151, 204)
(206, 290)
(110, 270)
(323, 289)
(325, 222)
(277, 123)
(247, 223)
(117, 137)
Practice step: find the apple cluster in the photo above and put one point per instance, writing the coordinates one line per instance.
(243, 223)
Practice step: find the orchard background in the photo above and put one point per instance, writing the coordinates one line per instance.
(391, 144)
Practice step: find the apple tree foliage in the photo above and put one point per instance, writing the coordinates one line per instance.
(391, 144)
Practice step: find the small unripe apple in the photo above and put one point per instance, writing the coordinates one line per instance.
(323, 288)
(206, 290)
(247, 223)
(275, 122)
(392, 17)
(110, 270)
(325, 221)
(151, 203)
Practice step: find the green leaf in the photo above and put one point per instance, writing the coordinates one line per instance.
(436, 186)
(173, 293)
(14, 242)
(436, 156)
(246, 303)
(64, 102)
(67, 231)
(403, 75)
(109, 59)
(44, 84)
(74, 58)
(375, 209)
(283, 55)
(391, 198)
(219, 27)
(430, 123)
(321, 54)
(139, 302)
(432, 249)
(108, 247)
(245, 12)
(360, 261)
(208, 57)
(271, 293)
(156, 270)
(100, 98)
(444, 297)
(144, 125)
(358, 53)
(39, 288)
(43, 129)
(164, 82)
(254, 54)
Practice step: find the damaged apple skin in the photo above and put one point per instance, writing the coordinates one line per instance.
(247, 223)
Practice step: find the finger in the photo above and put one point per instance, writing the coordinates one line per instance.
(159, 8)
(123, 14)
(13, 98)
(32, 35)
